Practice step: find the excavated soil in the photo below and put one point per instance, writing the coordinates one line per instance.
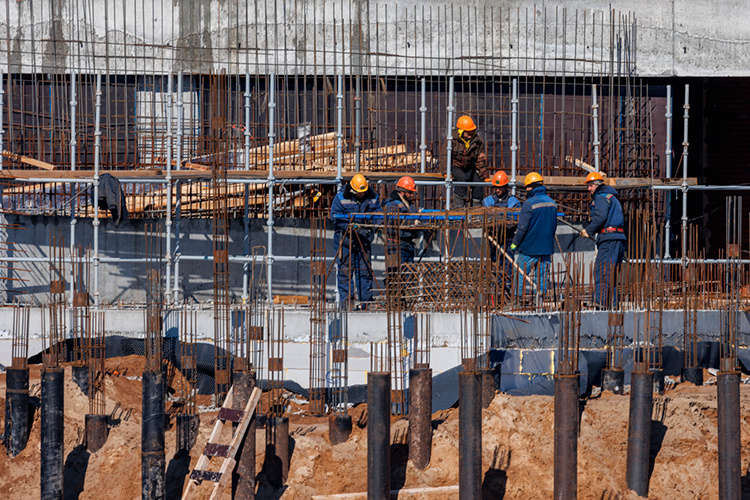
(517, 451)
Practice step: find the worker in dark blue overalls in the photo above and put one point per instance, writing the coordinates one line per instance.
(607, 222)
(502, 198)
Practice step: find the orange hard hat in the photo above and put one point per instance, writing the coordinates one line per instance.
(532, 178)
(594, 176)
(407, 183)
(466, 123)
(359, 183)
(500, 179)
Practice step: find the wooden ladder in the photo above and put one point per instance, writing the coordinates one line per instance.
(213, 449)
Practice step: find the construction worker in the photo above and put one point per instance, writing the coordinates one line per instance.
(468, 162)
(535, 234)
(607, 222)
(501, 198)
(354, 241)
(402, 201)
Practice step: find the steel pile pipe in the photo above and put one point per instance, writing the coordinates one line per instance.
(488, 386)
(730, 472)
(52, 434)
(96, 432)
(693, 374)
(277, 450)
(339, 428)
(613, 380)
(378, 436)
(186, 429)
(420, 417)
(566, 437)
(469, 436)
(16, 410)
(152, 437)
(80, 376)
(243, 476)
(639, 431)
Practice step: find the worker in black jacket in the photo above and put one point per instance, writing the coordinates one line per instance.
(607, 222)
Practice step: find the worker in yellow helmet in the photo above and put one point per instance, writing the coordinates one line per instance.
(535, 235)
(468, 163)
(353, 239)
(607, 222)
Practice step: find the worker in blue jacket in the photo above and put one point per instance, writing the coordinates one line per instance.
(402, 201)
(535, 235)
(502, 198)
(607, 222)
(353, 241)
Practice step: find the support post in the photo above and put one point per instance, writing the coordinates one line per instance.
(685, 145)
(566, 437)
(246, 215)
(152, 437)
(378, 436)
(97, 159)
(96, 432)
(668, 160)
(178, 155)
(730, 463)
(420, 417)
(271, 182)
(423, 128)
(449, 147)
(16, 410)
(514, 137)
(469, 436)
(595, 118)
(243, 477)
(357, 123)
(639, 431)
(52, 434)
(168, 179)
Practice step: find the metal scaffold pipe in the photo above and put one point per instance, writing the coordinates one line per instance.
(2, 129)
(72, 168)
(178, 157)
(595, 120)
(97, 157)
(246, 215)
(423, 128)
(358, 124)
(168, 179)
(449, 147)
(271, 182)
(668, 157)
(339, 128)
(514, 137)
(685, 144)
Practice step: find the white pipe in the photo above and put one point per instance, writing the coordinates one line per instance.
(668, 157)
(246, 217)
(97, 154)
(357, 124)
(685, 145)
(423, 128)
(271, 181)
(449, 147)
(168, 179)
(595, 113)
(180, 134)
(514, 137)
(72, 167)
(339, 129)
(2, 130)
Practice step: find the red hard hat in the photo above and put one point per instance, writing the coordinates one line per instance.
(407, 183)
(500, 179)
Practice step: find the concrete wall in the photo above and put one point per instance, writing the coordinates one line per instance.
(680, 37)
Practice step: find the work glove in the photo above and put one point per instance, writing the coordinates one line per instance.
(512, 248)
(584, 234)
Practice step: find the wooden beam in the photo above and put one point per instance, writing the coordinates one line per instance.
(29, 161)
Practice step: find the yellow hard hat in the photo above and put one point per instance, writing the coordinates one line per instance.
(532, 178)
(359, 183)
(466, 123)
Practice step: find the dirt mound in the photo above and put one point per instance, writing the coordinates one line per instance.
(517, 452)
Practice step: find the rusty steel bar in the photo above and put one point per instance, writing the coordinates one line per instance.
(420, 417)
(730, 452)
(639, 431)
(378, 436)
(566, 437)
(469, 435)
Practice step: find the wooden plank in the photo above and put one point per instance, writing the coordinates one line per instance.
(290, 299)
(29, 161)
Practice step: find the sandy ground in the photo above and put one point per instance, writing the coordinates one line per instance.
(517, 451)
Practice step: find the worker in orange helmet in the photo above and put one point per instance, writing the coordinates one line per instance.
(354, 241)
(401, 243)
(607, 222)
(501, 198)
(468, 162)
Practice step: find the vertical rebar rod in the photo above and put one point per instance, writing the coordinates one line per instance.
(423, 128)
(271, 182)
(685, 144)
(668, 160)
(97, 155)
(449, 146)
(514, 137)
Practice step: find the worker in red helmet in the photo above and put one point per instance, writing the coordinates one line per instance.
(608, 224)
(468, 163)
(401, 242)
